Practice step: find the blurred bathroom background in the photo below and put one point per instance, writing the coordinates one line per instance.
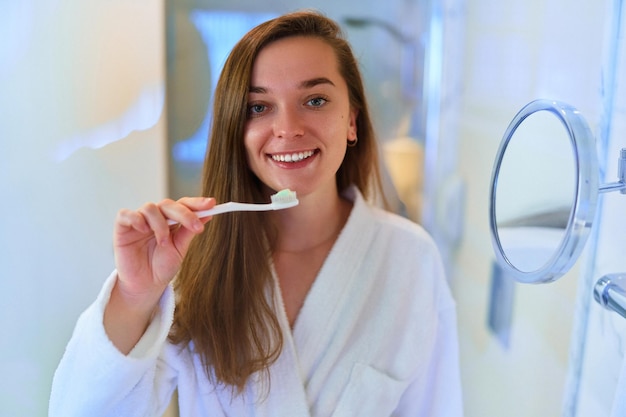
(105, 104)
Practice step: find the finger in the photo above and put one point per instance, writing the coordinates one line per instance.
(129, 219)
(157, 221)
(198, 203)
(183, 211)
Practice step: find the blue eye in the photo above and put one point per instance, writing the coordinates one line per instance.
(317, 102)
(256, 109)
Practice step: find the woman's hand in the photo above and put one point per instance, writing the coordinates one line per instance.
(148, 254)
(149, 251)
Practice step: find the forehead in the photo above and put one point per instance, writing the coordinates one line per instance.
(295, 58)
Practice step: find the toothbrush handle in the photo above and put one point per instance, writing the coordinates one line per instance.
(228, 207)
(233, 206)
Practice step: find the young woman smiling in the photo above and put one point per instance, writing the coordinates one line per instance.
(334, 307)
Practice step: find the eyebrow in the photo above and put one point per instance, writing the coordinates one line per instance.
(316, 81)
(303, 85)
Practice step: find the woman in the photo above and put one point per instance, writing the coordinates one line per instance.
(333, 307)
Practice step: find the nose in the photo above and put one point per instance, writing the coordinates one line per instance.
(288, 123)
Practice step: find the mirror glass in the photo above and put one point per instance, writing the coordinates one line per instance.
(535, 191)
(543, 191)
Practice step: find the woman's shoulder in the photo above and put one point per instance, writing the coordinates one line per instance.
(397, 245)
(398, 222)
(395, 226)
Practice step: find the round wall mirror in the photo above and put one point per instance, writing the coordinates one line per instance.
(544, 189)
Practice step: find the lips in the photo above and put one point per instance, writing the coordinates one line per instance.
(292, 157)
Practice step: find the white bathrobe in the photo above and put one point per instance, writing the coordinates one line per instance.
(375, 337)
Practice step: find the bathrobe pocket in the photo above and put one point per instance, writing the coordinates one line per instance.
(369, 392)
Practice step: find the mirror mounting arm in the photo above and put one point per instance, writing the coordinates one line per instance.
(621, 174)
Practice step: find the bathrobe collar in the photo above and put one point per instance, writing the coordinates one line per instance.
(306, 343)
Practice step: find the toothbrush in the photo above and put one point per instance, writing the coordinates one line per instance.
(281, 200)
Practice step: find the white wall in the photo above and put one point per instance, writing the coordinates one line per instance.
(82, 135)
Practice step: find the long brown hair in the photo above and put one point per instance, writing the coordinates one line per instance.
(224, 288)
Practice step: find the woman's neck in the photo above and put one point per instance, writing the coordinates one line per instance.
(314, 222)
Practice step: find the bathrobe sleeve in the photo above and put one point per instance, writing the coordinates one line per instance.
(95, 379)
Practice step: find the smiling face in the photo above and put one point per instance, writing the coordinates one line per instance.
(299, 116)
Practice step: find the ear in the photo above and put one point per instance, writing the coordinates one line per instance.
(352, 129)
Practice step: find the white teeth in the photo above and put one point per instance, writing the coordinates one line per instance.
(292, 157)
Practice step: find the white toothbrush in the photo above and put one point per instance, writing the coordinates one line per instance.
(281, 200)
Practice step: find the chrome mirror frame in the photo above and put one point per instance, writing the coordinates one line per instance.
(585, 199)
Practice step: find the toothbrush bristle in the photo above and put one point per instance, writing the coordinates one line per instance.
(285, 198)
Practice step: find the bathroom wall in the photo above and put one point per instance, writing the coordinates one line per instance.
(82, 134)
(515, 53)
